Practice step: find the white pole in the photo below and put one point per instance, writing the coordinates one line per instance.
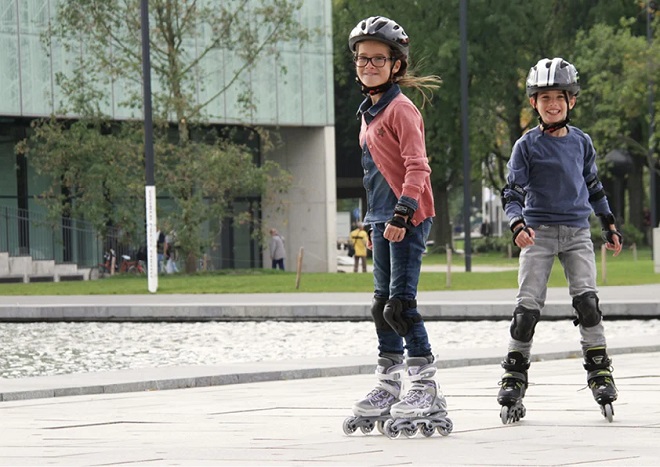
(152, 256)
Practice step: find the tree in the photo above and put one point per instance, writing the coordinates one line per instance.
(202, 171)
(615, 67)
(504, 40)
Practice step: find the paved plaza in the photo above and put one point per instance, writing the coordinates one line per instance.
(290, 413)
(299, 422)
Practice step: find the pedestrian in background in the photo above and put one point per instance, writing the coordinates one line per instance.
(277, 250)
(359, 239)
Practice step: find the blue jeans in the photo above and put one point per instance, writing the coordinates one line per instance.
(278, 263)
(397, 266)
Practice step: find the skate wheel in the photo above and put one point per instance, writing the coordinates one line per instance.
(448, 428)
(366, 429)
(504, 414)
(380, 427)
(410, 432)
(608, 412)
(390, 431)
(349, 426)
(427, 430)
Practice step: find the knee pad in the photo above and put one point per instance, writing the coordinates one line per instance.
(523, 323)
(377, 306)
(394, 314)
(587, 310)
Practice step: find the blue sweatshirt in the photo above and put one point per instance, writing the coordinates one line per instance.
(551, 180)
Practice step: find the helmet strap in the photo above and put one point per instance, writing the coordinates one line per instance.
(372, 90)
(552, 127)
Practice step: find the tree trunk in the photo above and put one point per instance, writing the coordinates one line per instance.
(442, 222)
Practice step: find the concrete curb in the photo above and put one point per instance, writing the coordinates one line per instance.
(432, 311)
(155, 379)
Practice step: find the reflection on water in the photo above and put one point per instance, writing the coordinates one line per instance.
(36, 349)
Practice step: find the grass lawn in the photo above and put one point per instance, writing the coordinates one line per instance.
(623, 270)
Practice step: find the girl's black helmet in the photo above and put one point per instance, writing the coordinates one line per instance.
(379, 28)
(553, 74)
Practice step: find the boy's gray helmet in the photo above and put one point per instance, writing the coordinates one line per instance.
(553, 74)
(379, 28)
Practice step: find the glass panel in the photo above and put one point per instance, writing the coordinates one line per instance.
(9, 66)
(289, 96)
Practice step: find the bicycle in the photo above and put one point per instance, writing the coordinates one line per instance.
(132, 266)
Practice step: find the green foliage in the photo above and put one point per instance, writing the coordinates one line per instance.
(625, 269)
(504, 40)
(97, 168)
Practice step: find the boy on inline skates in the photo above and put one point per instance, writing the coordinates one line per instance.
(552, 188)
(399, 214)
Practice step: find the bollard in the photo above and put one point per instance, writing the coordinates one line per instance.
(448, 281)
(656, 250)
(603, 262)
(299, 267)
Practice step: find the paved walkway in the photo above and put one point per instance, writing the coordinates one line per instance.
(299, 422)
(291, 413)
(641, 301)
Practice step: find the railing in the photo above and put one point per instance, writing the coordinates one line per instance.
(30, 233)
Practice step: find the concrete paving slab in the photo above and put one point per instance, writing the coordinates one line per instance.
(298, 422)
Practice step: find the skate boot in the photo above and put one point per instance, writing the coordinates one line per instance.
(513, 387)
(423, 408)
(374, 409)
(600, 380)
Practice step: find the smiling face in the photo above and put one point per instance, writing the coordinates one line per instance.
(371, 75)
(551, 105)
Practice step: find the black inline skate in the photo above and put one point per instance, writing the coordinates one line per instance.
(423, 408)
(374, 409)
(513, 387)
(600, 380)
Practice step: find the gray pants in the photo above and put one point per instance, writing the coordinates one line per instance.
(575, 251)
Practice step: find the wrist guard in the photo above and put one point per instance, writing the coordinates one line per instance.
(400, 222)
(608, 236)
(403, 210)
(606, 220)
(520, 226)
(608, 233)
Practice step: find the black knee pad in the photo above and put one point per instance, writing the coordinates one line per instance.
(377, 306)
(587, 310)
(394, 314)
(523, 323)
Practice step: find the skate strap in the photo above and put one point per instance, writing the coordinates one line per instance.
(395, 375)
(603, 372)
(417, 374)
(514, 375)
(389, 388)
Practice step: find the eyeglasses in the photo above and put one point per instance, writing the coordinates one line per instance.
(379, 62)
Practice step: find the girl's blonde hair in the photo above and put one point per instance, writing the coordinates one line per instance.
(425, 85)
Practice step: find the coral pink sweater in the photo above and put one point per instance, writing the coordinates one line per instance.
(395, 138)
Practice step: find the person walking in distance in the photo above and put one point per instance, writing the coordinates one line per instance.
(552, 189)
(277, 250)
(400, 212)
(359, 239)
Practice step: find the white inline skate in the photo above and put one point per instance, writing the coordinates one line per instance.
(374, 409)
(423, 408)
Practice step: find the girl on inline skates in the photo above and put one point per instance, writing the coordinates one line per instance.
(399, 215)
(552, 189)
